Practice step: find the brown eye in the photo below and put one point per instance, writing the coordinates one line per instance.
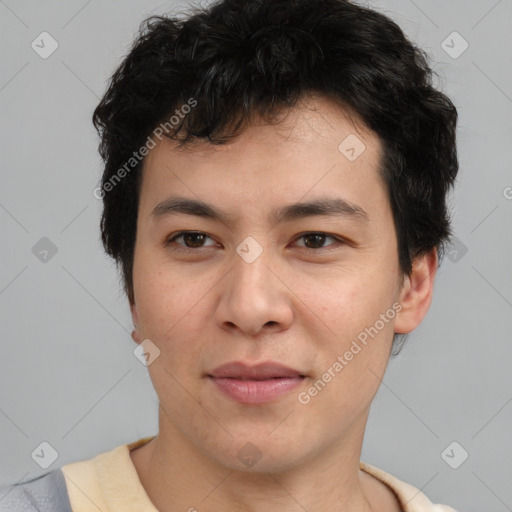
(317, 240)
(191, 239)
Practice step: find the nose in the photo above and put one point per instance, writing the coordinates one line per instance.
(255, 296)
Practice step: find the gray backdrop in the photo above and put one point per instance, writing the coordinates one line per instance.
(68, 374)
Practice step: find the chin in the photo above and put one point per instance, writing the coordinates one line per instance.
(259, 455)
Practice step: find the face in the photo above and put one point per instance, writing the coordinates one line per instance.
(316, 291)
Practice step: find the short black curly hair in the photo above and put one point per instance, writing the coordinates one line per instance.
(243, 58)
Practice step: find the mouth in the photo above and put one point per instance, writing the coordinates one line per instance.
(262, 383)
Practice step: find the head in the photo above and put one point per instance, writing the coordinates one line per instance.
(249, 107)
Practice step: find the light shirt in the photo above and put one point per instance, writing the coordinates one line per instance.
(109, 482)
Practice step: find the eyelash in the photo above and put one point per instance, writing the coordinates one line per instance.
(173, 238)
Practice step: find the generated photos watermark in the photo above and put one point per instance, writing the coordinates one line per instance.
(138, 156)
(304, 397)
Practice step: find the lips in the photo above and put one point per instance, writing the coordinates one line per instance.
(262, 371)
(265, 382)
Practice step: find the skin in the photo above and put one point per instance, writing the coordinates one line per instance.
(300, 304)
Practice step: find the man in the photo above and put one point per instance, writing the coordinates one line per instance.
(274, 194)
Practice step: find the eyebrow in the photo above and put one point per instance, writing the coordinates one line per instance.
(334, 207)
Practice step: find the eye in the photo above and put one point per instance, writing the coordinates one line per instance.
(317, 239)
(195, 240)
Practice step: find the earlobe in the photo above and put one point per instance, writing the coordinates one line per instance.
(135, 319)
(416, 293)
(136, 337)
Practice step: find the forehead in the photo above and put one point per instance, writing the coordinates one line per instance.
(317, 121)
(315, 148)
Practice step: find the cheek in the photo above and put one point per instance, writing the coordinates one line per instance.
(355, 351)
(158, 300)
(356, 348)
(173, 313)
(351, 302)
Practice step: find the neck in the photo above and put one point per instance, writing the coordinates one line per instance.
(177, 477)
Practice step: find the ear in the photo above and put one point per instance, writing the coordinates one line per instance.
(135, 319)
(416, 292)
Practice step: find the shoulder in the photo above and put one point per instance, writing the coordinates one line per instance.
(410, 499)
(45, 493)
